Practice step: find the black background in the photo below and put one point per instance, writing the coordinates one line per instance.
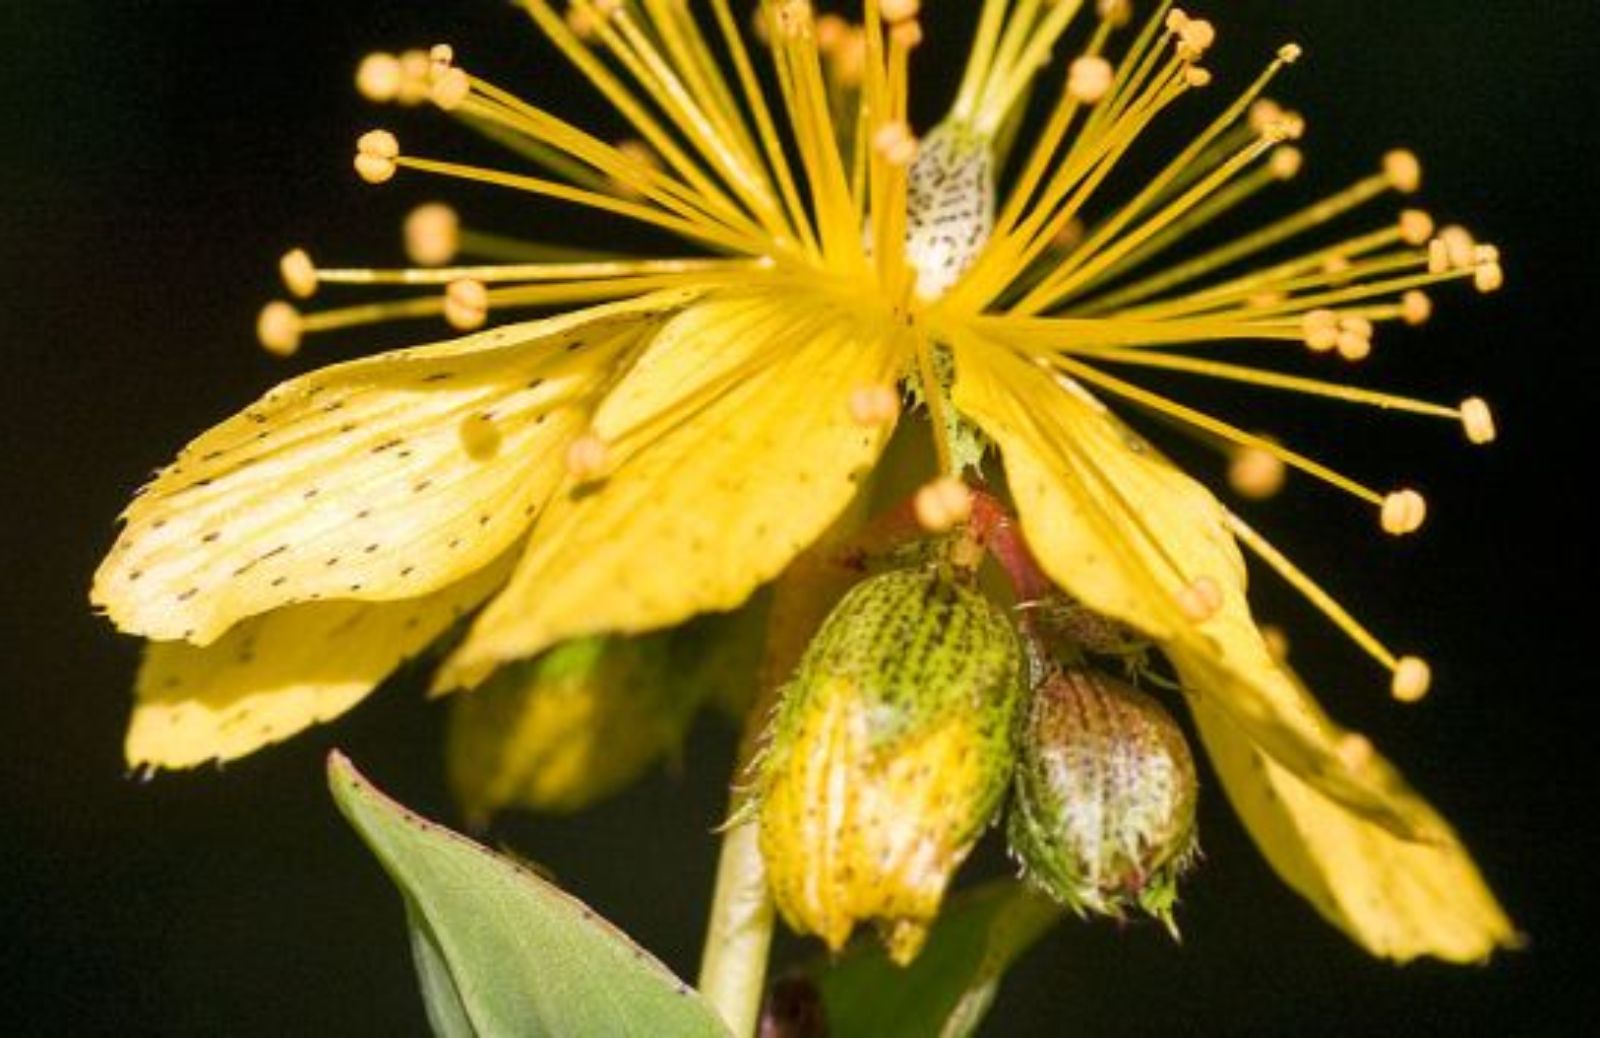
(156, 156)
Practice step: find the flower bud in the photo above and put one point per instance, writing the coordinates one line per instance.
(889, 755)
(1104, 813)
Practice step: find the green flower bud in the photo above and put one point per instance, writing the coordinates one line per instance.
(889, 755)
(1104, 814)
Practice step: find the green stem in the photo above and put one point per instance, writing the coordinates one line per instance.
(733, 969)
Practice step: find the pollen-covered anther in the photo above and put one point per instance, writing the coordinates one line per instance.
(942, 504)
(1403, 512)
(450, 88)
(1115, 13)
(1416, 227)
(1415, 307)
(1201, 599)
(1320, 329)
(1276, 642)
(299, 273)
(378, 77)
(906, 34)
(1263, 113)
(432, 234)
(1196, 77)
(1412, 679)
(1355, 751)
(587, 458)
(1256, 473)
(375, 155)
(1478, 420)
(480, 437)
(874, 405)
(1089, 79)
(1354, 341)
(1403, 171)
(280, 328)
(1488, 277)
(466, 304)
(896, 11)
(831, 33)
(1290, 53)
(582, 22)
(895, 143)
(1459, 247)
(441, 58)
(848, 61)
(416, 77)
(1286, 162)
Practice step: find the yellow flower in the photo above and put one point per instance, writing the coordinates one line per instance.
(671, 447)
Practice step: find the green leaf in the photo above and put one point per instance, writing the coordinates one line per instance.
(948, 988)
(500, 951)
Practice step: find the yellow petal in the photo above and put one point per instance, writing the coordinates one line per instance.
(734, 448)
(1124, 531)
(1398, 899)
(274, 675)
(383, 478)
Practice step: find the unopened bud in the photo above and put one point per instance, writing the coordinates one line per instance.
(889, 756)
(1104, 813)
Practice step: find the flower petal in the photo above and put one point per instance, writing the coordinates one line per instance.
(1124, 531)
(364, 480)
(1398, 899)
(274, 675)
(734, 448)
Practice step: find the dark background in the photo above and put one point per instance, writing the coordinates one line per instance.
(156, 157)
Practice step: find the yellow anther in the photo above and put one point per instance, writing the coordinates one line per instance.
(466, 304)
(874, 405)
(1177, 21)
(582, 22)
(1403, 512)
(1412, 679)
(1460, 248)
(416, 77)
(1201, 600)
(1336, 266)
(1485, 253)
(378, 77)
(375, 155)
(1115, 13)
(897, 11)
(1355, 751)
(1276, 642)
(831, 33)
(1256, 473)
(850, 58)
(432, 234)
(1415, 307)
(440, 59)
(1320, 329)
(1403, 170)
(299, 273)
(1478, 420)
(480, 437)
(895, 143)
(792, 18)
(907, 34)
(1290, 53)
(1068, 234)
(1265, 300)
(1355, 338)
(942, 504)
(450, 88)
(1196, 77)
(1264, 113)
(587, 458)
(1089, 79)
(279, 328)
(1438, 256)
(1416, 227)
(1285, 162)
(1489, 277)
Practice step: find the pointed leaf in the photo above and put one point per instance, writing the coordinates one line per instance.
(502, 951)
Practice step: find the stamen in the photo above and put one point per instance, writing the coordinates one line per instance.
(1403, 512)
(432, 235)
(897, 11)
(1256, 474)
(1201, 599)
(1089, 79)
(874, 405)
(299, 273)
(466, 304)
(942, 504)
(895, 144)
(280, 328)
(1403, 170)
(1412, 678)
(378, 77)
(376, 152)
(587, 458)
(1478, 420)
(1276, 641)
(1415, 307)
(1355, 751)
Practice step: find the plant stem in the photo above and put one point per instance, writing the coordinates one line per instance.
(733, 968)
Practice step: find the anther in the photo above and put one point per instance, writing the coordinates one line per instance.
(1286, 162)
(1115, 13)
(480, 437)
(450, 88)
(1089, 79)
(1403, 512)
(1403, 171)
(440, 59)
(1412, 678)
(279, 328)
(1416, 227)
(1201, 600)
(432, 234)
(895, 143)
(1488, 277)
(906, 34)
(1355, 751)
(1196, 77)
(942, 504)
(582, 22)
(299, 273)
(874, 405)
(1478, 420)
(1256, 473)
(1276, 642)
(1460, 248)
(1290, 53)
(831, 32)
(466, 304)
(378, 77)
(1320, 329)
(587, 458)
(416, 77)
(375, 155)
(1354, 341)
(1415, 307)
(1264, 113)
(896, 11)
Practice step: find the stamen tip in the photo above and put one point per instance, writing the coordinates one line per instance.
(1415, 307)
(1089, 79)
(1286, 162)
(587, 458)
(1416, 227)
(895, 143)
(1403, 170)
(376, 152)
(450, 88)
(432, 234)
(1355, 751)
(874, 405)
(1403, 512)
(1478, 421)
(279, 328)
(299, 273)
(1290, 53)
(378, 77)
(1201, 599)
(897, 11)
(1412, 679)
(1256, 473)
(466, 304)
(942, 504)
